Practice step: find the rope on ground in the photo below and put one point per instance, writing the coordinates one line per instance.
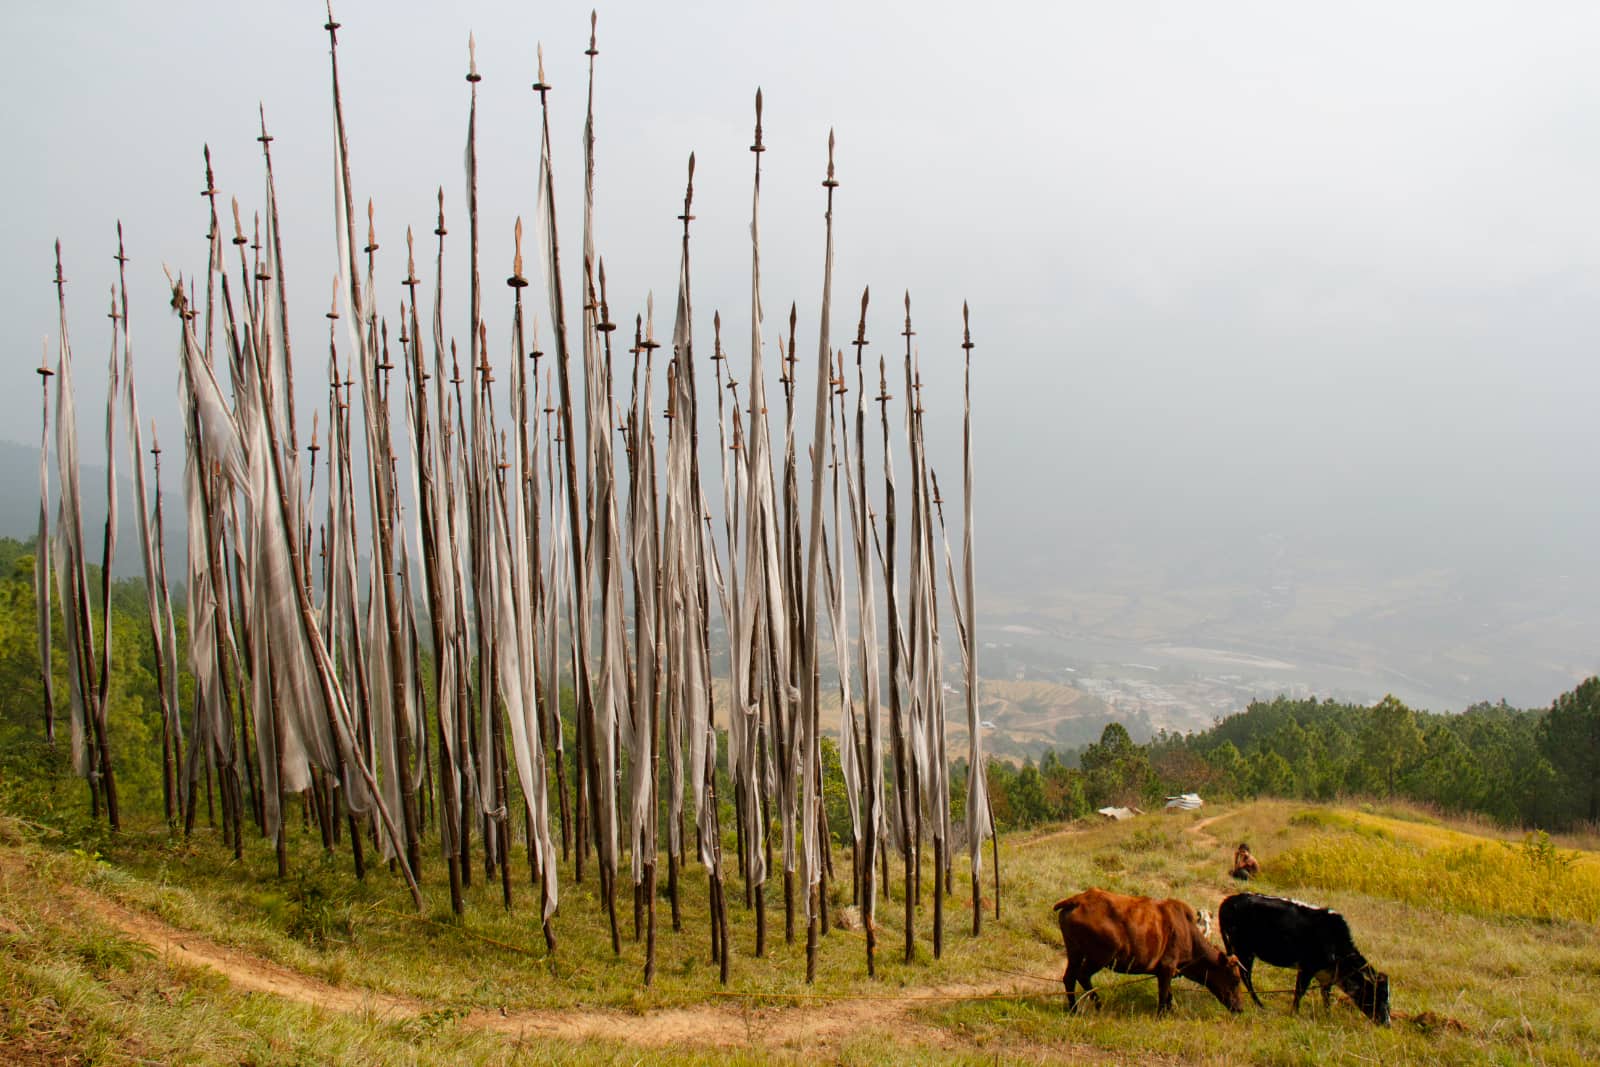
(933, 995)
(734, 994)
(1055, 980)
(1051, 979)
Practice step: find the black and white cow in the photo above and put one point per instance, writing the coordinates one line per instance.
(1314, 941)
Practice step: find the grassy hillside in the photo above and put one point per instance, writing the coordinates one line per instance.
(112, 952)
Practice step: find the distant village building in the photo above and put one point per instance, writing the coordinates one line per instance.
(1118, 814)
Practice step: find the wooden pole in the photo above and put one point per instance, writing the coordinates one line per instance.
(438, 609)
(43, 571)
(907, 796)
(108, 781)
(872, 816)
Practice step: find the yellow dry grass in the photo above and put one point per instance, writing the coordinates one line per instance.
(1434, 866)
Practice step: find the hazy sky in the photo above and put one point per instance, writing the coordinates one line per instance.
(1232, 266)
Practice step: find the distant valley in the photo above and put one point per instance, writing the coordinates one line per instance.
(1156, 643)
(1177, 647)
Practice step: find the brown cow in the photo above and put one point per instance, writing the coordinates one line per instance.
(1138, 935)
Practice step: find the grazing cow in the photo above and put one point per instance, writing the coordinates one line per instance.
(1138, 935)
(1315, 941)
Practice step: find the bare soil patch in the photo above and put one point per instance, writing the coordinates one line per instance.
(243, 970)
(1200, 828)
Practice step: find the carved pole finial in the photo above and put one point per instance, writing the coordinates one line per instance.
(861, 326)
(541, 86)
(517, 281)
(211, 184)
(650, 342)
(605, 325)
(688, 198)
(410, 281)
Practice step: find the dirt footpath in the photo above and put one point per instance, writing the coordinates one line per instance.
(709, 1026)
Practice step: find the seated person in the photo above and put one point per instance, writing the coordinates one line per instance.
(1244, 864)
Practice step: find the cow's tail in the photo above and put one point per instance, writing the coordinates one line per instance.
(1063, 909)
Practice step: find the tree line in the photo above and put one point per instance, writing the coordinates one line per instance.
(1533, 767)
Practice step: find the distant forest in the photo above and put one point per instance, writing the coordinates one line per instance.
(1529, 768)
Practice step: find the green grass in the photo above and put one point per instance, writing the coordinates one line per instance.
(71, 991)
(324, 923)
(1475, 979)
